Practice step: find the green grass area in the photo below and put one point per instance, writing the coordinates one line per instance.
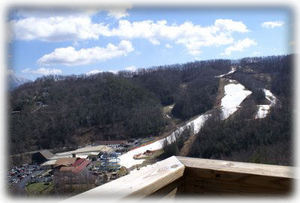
(39, 188)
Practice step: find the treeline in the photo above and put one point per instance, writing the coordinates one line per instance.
(192, 87)
(242, 138)
(58, 111)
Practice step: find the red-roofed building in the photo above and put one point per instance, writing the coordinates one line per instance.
(76, 173)
(78, 162)
(81, 166)
(76, 167)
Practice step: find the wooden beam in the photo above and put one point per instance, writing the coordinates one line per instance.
(169, 189)
(140, 183)
(203, 176)
(238, 167)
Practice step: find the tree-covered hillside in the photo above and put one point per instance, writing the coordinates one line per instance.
(57, 111)
(243, 138)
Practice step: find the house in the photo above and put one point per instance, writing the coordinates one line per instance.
(72, 171)
(84, 152)
(65, 162)
(48, 164)
(41, 156)
(74, 165)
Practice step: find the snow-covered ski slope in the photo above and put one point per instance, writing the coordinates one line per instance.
(127, 159)
(233, 69)
(234, 95)
(263, 110)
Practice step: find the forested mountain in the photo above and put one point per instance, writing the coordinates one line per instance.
(242, 138)
(15, 81)
(56, 111)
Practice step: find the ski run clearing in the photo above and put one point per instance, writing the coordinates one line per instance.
(235, 93)
(263, 110)
(127, 159)
(233, 69)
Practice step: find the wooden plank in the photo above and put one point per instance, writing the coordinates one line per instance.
(140, 183)
(204, 176)
(276, 183)
(177, 184)
(202, 186)
(171, 194)
(238, 167)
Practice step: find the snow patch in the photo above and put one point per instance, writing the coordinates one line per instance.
(234, 95)
(270, 97)
(127, 159)
(263, 110)
(233, 69)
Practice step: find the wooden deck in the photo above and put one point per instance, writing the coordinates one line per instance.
(183, 176)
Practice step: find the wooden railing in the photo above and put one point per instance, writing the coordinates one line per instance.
(183, 176)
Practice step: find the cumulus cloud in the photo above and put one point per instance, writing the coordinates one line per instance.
(63, 25)
(193, 37)
(118, 13)
(69, 56)
(113, 71)
(272, 24)
(80, 27)
(57, 28)
(130, 68)
(43, 71)
(93, 72)
(239, 46)
(168, 46)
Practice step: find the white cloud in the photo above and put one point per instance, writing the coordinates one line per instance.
(43, 71)
(239, 46)
(130, 68)
(61, 25)
(168, 46)
(57, 28)
(93, 72)
(79, 26)
(230, 25)
(272, 24)
(154, 41)
(113, 71)
(70, 57)
(118, 13)
(193, 37)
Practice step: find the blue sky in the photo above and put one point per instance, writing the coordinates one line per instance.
(64, 42)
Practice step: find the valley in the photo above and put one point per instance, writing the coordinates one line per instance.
(209, 109)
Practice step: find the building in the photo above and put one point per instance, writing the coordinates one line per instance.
(65, 162)
(85, 152)
(41, 156)
(71, 172)
(48, 164)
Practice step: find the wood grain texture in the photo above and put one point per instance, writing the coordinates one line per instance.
(238, 167)
(166, 190)
(140, 183)
(183, 176)
(204, 176)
